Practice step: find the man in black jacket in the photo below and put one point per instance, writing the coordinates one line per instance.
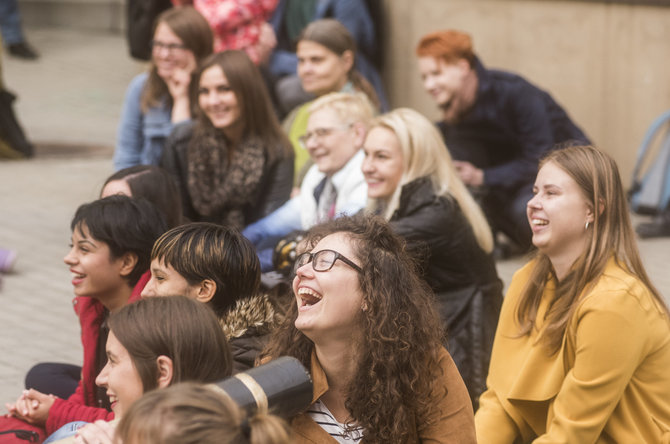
(497, 126)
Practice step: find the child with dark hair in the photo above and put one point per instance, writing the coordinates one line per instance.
(109, 258)
(218, 266)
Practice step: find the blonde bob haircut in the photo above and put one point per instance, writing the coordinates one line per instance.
(349, 107)
(425, 154)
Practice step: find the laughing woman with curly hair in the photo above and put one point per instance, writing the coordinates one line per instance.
(366, 326)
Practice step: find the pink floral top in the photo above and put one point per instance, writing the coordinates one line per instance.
(236, 24)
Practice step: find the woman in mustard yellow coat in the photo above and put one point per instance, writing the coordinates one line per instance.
(582, 350)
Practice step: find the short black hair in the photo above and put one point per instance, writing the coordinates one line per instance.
(126, 225)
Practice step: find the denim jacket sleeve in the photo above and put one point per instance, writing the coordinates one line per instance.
(278, 223)
(141, 136)
(129, 139)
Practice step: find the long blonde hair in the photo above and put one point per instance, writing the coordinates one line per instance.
(611, 234)
(424, 154)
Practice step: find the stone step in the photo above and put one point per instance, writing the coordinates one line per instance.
(99, 15)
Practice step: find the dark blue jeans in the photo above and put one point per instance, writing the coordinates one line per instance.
(54, 378)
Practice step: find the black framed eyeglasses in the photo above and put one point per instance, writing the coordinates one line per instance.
(323, 261)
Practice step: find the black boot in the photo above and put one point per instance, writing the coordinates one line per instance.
(10, 130)
(23, 50)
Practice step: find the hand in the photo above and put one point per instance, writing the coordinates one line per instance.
(178, 86)
(32, 407)
(469, 174)
(98, 432)
(180, 79)
(267, 40)
(182, 2)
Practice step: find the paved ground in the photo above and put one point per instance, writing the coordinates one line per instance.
(69, 104)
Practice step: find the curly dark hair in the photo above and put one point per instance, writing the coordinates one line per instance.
(401, 333)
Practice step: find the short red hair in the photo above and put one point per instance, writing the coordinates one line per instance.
(449, 45)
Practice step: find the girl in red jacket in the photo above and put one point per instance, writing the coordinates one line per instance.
(109, 259)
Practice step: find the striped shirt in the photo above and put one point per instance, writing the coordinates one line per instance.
(322, 416)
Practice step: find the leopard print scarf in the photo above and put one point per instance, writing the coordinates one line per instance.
(222, 181)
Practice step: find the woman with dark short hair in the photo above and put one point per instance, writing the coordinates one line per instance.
(109, 260)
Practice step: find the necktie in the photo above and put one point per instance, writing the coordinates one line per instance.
(326, 196)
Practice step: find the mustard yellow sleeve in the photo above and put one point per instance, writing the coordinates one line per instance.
(609, 343)
(493, 424)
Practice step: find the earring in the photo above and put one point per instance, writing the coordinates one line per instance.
(586, 227)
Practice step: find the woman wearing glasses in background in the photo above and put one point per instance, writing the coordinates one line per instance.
(364, 323)
(157, 99)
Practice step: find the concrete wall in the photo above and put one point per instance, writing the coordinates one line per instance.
(607, 64)
(100, 15)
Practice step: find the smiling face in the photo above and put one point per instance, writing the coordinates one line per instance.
(332, 143)
(443, 81)
(120, 377)
(218, 101)
(557, 215)
(168, 52)
(329, 302)
(94, 272)
(166, 281)
(320, 70)
(383, 165)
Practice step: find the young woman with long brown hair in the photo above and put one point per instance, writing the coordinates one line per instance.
(233, 164)
(582, 350)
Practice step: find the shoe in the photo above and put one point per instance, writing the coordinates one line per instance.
(7, 152)
(11, 132)
(22, 50)
(7, 259)
(658, 227)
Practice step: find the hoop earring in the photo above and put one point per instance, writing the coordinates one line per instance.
(586, 227)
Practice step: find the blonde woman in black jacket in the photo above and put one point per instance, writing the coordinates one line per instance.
(413, 184)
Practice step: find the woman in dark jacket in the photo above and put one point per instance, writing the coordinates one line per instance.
(233, 164)
(413, 184)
